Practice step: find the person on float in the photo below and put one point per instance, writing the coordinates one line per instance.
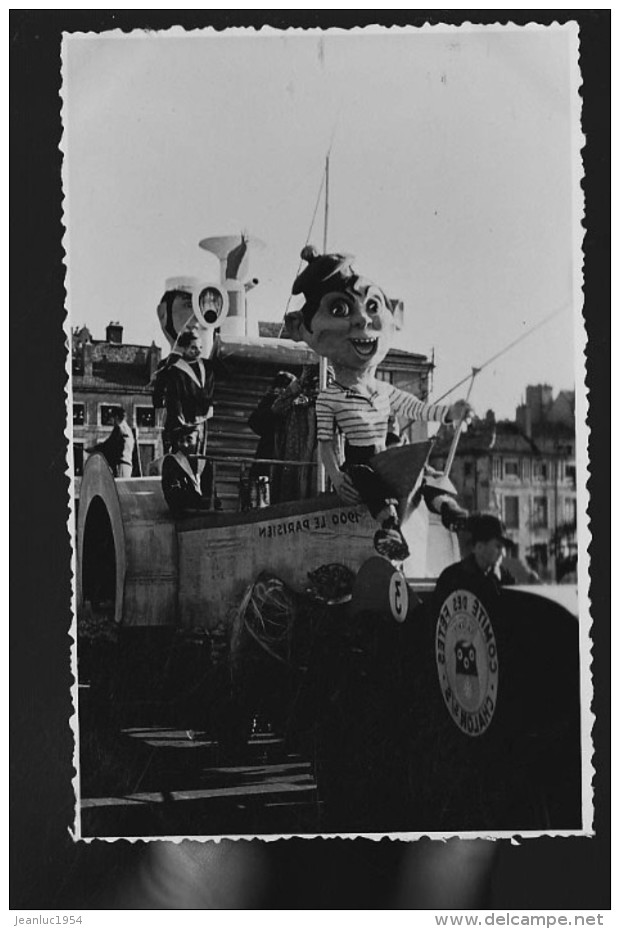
(119, 448)
(286, 424)
(177, 317)
(264, 420)
(190, 384)
(185, 490)
(349, 320)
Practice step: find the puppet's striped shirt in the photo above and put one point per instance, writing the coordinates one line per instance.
(364, 420)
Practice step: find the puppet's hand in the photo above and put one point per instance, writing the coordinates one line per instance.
(460, 411)
(343, 485)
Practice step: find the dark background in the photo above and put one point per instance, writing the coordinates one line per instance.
(48, 869)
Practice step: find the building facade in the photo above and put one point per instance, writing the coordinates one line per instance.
(524, 472)
(108, 374)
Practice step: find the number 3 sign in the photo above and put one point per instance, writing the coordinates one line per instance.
(399, 596)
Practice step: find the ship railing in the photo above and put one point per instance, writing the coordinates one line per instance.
(237, 459)
(255, 490)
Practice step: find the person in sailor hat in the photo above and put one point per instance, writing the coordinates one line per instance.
(176, 314)
(184, 381)
(349, 320)
(189, 388)
(185, 489)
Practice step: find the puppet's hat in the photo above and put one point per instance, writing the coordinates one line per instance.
(322, 274)
(186, 284)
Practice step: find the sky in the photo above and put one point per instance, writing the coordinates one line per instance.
(454, 172)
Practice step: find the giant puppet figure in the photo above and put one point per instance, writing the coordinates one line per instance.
(348, 319)
(189, 313)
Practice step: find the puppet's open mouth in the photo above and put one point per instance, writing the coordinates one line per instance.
(364, 347)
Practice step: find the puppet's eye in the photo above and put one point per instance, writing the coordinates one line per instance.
(373, 305)
(340, 308)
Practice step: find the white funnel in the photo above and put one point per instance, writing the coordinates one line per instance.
(222, 245)
(234, 272)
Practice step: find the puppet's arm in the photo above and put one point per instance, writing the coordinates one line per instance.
(408, 406)
(341, 481)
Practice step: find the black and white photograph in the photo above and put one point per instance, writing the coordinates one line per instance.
(327, 448)
(324, 299)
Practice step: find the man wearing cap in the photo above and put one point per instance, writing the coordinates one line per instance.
(480, 570)
(349, 320)
(184, 489)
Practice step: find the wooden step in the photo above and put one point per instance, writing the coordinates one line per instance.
(231, 409)
(226, 450)
(253, 387)
(232, 435)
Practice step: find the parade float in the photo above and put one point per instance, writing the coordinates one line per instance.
(286, 610)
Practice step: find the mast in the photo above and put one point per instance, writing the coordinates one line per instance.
(321, 480)
(326, 219)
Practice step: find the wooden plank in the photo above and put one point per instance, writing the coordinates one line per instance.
(296, 784)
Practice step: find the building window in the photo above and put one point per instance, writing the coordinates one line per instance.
(571, 474)
(540, 516)
(145, 417)
(383, 375)
(540, 470)
(78, 414)
(78, 458)
(106, 411)
(511, 468)
(468, 468)
(511, 512)
(147, 454)
(536, 557)
(570, 510)
(497, 469)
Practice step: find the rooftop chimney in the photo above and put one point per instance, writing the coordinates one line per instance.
(114, 333)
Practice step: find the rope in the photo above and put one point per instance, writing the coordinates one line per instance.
(267, 616)
(475, 371)
(503, 351)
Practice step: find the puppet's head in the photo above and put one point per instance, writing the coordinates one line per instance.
(346, 318)
(175, 311)
(190, 306)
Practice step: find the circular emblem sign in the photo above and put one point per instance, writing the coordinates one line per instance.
(399, 597)
(467, 662)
